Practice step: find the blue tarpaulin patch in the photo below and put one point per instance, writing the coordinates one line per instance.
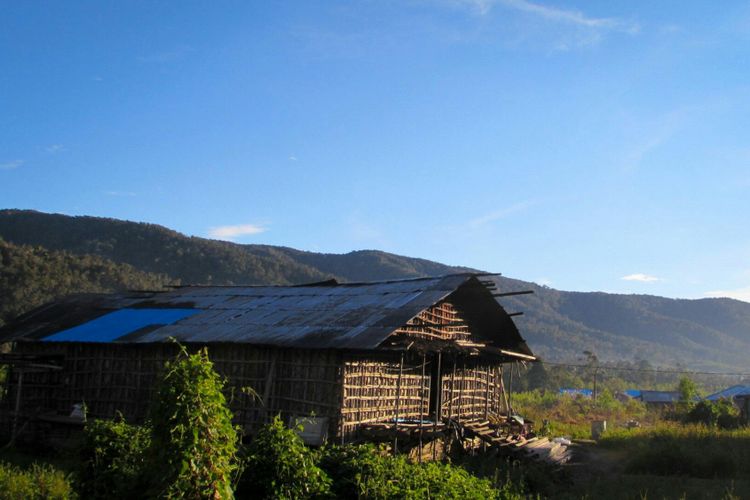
(119, 323)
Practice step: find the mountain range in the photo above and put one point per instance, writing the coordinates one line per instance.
(44, 256)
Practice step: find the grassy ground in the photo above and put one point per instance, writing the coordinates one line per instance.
(572, 416)
(659, 460)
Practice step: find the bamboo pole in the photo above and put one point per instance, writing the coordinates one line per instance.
(439, 385)
(398, 401)
(421, 405)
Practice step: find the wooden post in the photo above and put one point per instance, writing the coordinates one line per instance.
(267, 388)
(486, 393)
(421, 405)
(439, 386)
(453, 382)
(18, 407)
(398, 402)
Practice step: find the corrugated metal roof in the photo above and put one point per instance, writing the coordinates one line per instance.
(347, 316)
(117, 324)
(730, 392)
(660, 396)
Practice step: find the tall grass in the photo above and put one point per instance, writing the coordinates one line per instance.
(571, 416)
(687, 450)
(35, 482)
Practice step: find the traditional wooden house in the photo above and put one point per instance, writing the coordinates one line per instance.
(349, 354)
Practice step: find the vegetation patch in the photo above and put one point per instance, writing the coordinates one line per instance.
(686, 450)
(35, 482)
(113, 460)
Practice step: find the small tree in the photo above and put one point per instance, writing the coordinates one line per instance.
(193, 443)
(280, 466)
(688, 391)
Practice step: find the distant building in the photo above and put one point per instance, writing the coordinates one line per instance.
(569, 391)
(659, 398)
(739, 395)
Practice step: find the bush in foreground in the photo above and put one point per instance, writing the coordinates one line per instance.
(113, 459)
(187, 451)
(193, 442)
(368, 473)
(37, 482)
(279, 465)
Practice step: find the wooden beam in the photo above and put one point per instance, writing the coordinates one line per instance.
(508, 294)
(518, 355)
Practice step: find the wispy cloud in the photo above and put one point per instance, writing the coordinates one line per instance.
(232, 232)
(55, 148)
(554, 14)
(738, 294)
(653, 134)
(292, 158)
(10, 165)
(121, 193)
(501, 213)
(643, 278)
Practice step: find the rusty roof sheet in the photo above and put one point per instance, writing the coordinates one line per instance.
(342, 316)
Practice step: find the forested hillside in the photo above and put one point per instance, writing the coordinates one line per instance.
(31, 276)
(95, 254)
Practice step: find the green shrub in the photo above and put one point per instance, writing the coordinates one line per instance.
(193, 442)
(37, 482)
(280, 466)
(113, 460)
(368, 473)
(720, 413)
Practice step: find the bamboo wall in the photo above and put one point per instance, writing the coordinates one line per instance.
(380, 391)
(113, 378)
(350, 390)
(441, 321)
(471, 391)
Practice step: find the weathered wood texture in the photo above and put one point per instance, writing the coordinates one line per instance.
(372, 393)
(471, 390)
(112, 378)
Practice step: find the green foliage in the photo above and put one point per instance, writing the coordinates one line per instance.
(368, 473)
(688, 390)
(36, 482)
(113, 460)
(193, 444)
(31, 276)
(572, 415)
(721, 413)
(280, 466)
(690, 450)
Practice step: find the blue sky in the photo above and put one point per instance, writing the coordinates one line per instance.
(583, 145)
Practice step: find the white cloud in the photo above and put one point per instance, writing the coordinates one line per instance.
(10, 165)
(500, 213)
(292, 158)
(232, 232)
(738, 294)
(644, 278)
(55, 148)
(554, 14)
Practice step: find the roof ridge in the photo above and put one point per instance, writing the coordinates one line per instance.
(327, 284)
